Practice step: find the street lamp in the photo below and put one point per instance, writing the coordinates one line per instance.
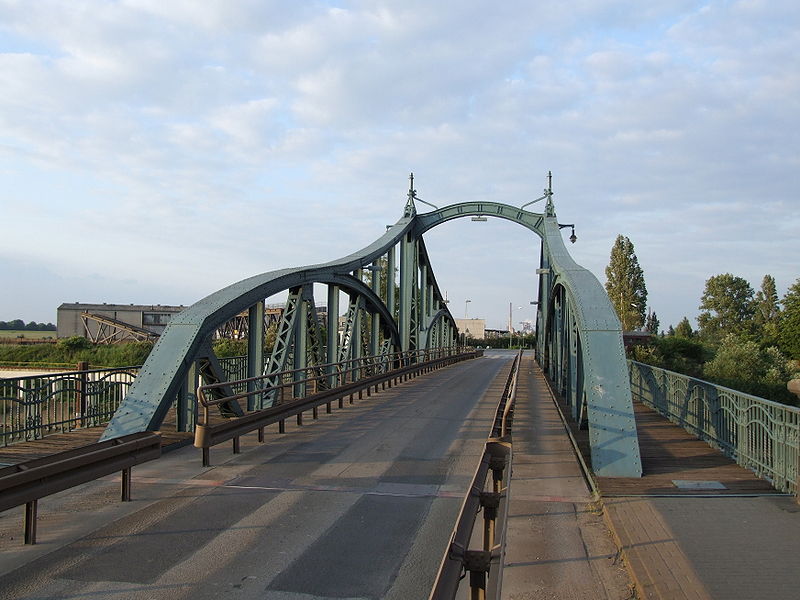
(466, 306)
(572, 238)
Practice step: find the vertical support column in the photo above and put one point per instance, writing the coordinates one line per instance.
(390, 285)
(422, 309)
(356, 342)
(543, 308)
(186, 409)
(301, 346)
(255, 348)
(407, 266)
(415, 312)
(333, 334)
(375, 329)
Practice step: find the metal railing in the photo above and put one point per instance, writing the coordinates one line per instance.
(759, 434)
(485, 566)
(36, 406)
(27, 482)
(296, 391)
(297, 383)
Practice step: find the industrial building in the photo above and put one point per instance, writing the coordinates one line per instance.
(472, 328)
(105, 323)
(111, 323)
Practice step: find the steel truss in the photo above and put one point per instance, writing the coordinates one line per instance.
(579, 339)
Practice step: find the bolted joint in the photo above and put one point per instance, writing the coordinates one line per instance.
(491, 500)
(477, 560)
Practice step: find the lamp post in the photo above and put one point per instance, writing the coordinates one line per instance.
(510, 323)
(466, 307)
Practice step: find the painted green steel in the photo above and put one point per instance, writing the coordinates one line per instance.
(332, 345)
(573, 309)
(255, 345)
(579, 341)
(408, 247)
(759, 434)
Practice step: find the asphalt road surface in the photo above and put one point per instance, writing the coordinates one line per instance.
(357, 504)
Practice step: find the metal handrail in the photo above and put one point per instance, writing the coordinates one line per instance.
(35, 406)
(27, 482)
(758, 434)
(208, 434)
(361, 363)
(484, 566)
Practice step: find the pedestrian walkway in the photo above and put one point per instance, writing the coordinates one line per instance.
(558, 544)
(697, 525)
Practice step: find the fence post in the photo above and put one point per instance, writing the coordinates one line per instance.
(80, 391)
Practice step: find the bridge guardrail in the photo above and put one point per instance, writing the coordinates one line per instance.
(35, 406)
(484, 566)
(27, 482)
(351, 377)
(759, 434)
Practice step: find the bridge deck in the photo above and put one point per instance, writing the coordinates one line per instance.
(740, 542)
(359, 503)
(669, 455)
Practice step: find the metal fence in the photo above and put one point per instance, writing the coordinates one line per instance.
(38, 405)
(35, 406)
(759, 434)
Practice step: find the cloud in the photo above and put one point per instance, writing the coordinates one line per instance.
(218, 140)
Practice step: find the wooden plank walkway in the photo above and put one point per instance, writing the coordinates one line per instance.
(58, 442)
(669, 453)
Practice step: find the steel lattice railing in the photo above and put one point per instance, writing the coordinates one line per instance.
(36, 406)
(759, 434)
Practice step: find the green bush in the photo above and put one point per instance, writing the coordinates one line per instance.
(76, 349)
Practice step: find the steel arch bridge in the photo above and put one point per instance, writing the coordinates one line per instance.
(578, 342)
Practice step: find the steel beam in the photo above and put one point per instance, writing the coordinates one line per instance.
(255, 347)
(301, 345)
(407, 266)
(332, 346)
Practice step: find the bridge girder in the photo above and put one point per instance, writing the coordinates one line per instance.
(579, 338)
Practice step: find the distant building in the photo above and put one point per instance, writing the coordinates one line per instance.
(472, 328)
(113, 322)
(110, 323)
(496, 333)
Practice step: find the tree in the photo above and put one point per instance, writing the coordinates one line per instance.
(684, 329)
(737, 358)
(744, 365)
(652, 323)
(789, 322)
(765, 303)
(767, 311)
(625, 284)
(726, 307)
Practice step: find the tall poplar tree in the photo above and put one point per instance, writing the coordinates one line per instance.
(789, 329)
(767, 311)
(625, 284)
(652, 323)
(684, 329)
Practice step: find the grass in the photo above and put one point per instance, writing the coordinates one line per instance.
(28, 335)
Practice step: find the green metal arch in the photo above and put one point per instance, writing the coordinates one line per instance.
(165, 369)
(615, 450)
(441, 315)
(612, 426)
(530, 220)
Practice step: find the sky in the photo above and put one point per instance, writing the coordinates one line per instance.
(154, 152)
